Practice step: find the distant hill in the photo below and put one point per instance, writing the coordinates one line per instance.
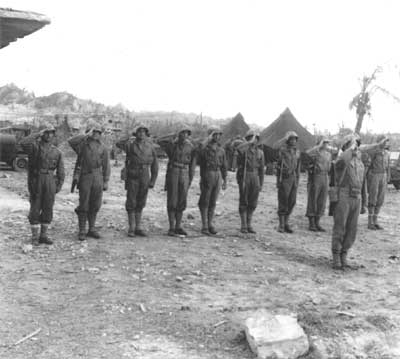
(20, 106)
(11, 94)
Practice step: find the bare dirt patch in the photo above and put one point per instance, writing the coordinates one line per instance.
(163, 297)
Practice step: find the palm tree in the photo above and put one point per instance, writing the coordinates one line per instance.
(362, 101)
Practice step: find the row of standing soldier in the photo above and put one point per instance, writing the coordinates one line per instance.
(92, 173)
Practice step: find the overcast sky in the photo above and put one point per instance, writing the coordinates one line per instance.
(215, 56)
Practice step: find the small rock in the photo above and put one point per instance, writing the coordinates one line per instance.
(179, 279)
(190, 216)
(26, 248)
(275, 336)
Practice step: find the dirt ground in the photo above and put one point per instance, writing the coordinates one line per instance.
(166, 297)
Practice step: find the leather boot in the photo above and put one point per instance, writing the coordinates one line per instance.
(336, 260)
(131, 222)
(345, 264)
(204, 221)
(92, 230)
(139, 231)
(250, 229)
(281, 228)
(288, 229)
(312, 225)
(371, 224)
(211, 227)
(171, 220)
(178, 226)
(375, 221)
(243, 222)
(363, 210)
(44, 238)
(35, 228)
(82, 226)
(318, 226)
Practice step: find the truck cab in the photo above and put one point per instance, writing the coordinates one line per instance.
(10, 149)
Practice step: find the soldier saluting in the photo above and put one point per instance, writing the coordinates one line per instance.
(249, 160)
(317, 186)
(141, 166)
(213, 172)
(45, 179)
(180, 172)
(349, 174)
(92, 173)
(288, 174)
(377, 178)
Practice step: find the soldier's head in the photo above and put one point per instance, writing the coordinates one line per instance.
(214, 134)
(252, 136)
(325, 142)
(291, 138)
(348, 141)
(95, 132)
(141, 132)
(48, 133)
(184, 134)
(384, 140)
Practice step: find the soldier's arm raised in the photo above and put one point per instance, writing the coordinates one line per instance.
(121, 143)
(29, 143)
(75, 142)
(372, 148)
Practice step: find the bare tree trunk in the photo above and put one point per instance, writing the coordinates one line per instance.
(360, 118)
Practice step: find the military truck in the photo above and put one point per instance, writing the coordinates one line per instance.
(10, 149)
(394, 163)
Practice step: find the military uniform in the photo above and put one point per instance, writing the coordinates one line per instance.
(92, 172)
(349, 173)
(141, 173)
(317, 186)
(377, 179)
(180, 171)
(213, 172)
(45, 179)
(366, 160)
(230, 148)
(288, 174)
(250, 178)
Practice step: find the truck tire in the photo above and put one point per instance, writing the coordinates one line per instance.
(20, 164)
(396, 184)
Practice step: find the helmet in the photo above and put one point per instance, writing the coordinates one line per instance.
(185, 129)
(214, 130)
(290, 134)
(140, 127)
(348, 139)
(250, 133)
(49, 128)
(94, 128)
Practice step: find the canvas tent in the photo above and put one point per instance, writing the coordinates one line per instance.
(284, 123)
(16, 24)
(236, 126)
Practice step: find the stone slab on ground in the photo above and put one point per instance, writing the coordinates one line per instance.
(275, 336)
